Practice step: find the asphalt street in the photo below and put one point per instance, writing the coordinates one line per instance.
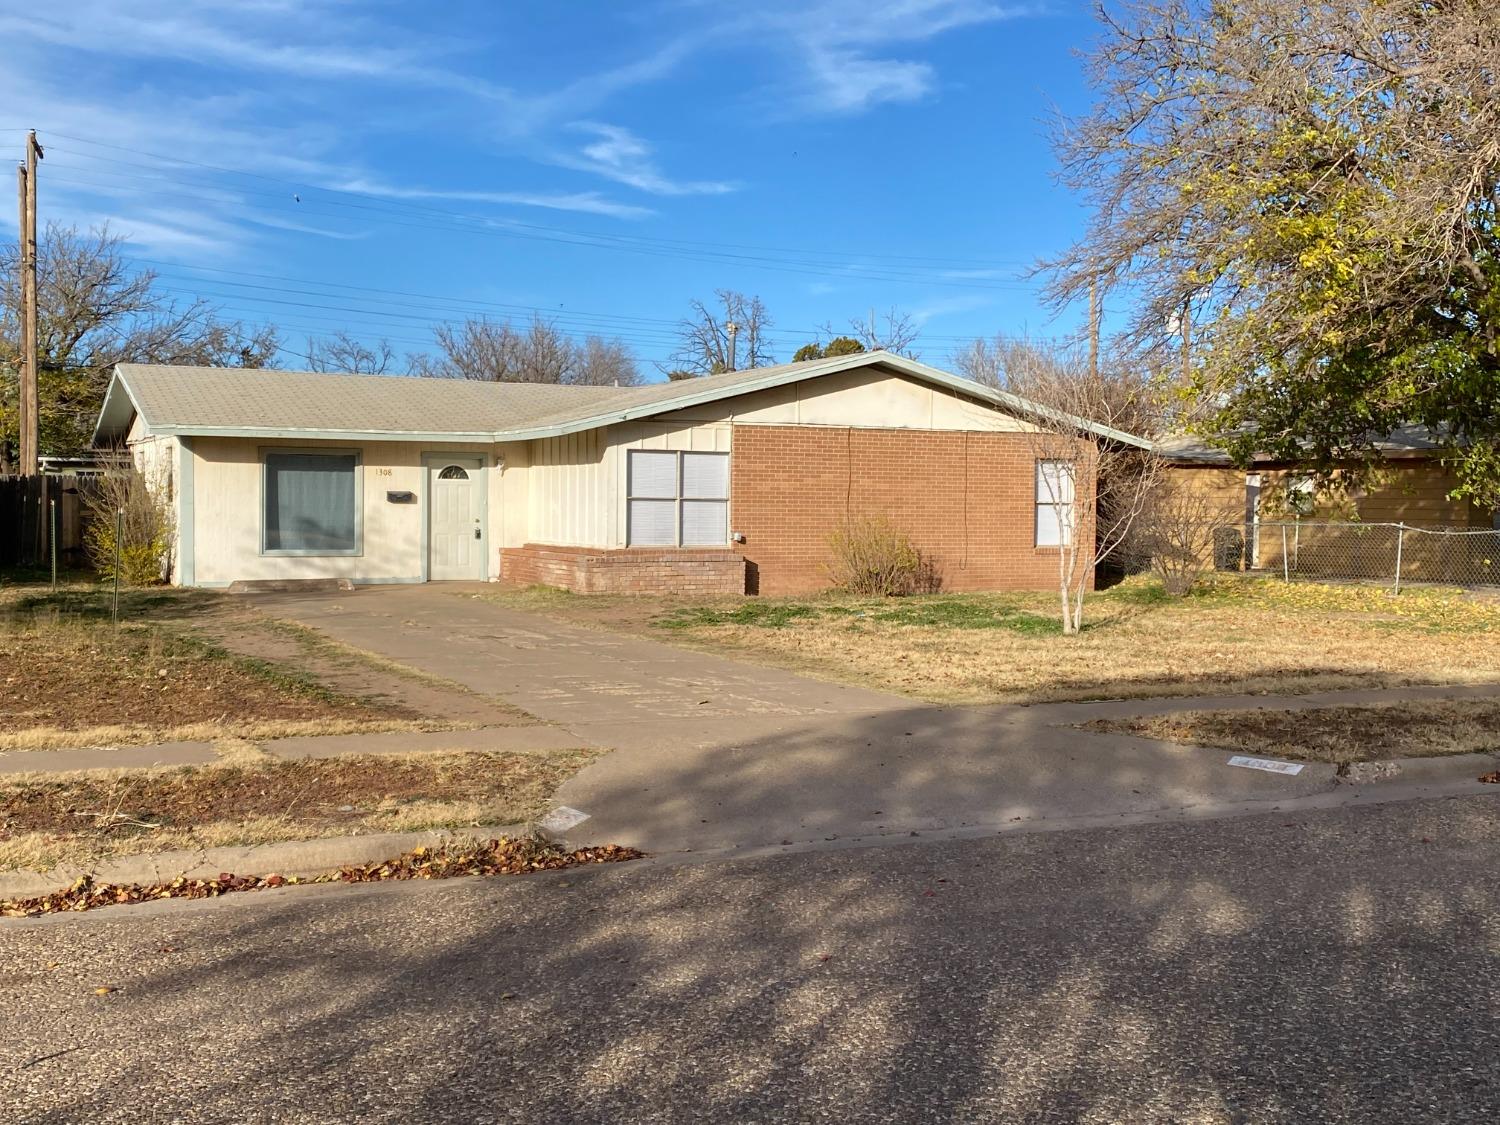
(1334, 966)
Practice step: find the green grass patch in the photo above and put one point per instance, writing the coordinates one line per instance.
(937, 612)
(758, 614)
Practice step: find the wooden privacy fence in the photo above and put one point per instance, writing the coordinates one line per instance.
(34, 510)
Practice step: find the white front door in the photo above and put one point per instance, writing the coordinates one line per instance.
(455, 521)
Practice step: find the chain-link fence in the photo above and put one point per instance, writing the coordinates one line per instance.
(1396, 553)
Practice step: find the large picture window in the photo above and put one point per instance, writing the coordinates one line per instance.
(677, 499)
(310, 503)
(1054, 503)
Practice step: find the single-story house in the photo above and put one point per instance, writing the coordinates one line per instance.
(724, 484)
(1411, 486)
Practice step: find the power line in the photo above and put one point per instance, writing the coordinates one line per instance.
(173, 159)
(387, 211)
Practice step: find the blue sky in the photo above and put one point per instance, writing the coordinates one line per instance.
(378, 166)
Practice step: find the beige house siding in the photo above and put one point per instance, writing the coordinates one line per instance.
(860, 399)
(159, 460)
(568, 491)
(226, 511)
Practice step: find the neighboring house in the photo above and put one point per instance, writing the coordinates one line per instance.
(1410, 486)
(724, 484)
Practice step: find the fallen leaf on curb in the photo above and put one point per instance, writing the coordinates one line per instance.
(1492, 778)
(105, 990)
(504, 856)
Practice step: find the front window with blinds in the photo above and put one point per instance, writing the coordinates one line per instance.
(1054, 503)
(310, 503)
(677, 499)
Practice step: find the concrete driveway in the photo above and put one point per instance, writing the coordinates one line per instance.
(717, 754)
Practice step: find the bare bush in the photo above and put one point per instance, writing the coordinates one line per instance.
(873, 556)
(144, 514)
(1176, 531)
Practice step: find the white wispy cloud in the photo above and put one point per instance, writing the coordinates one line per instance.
(948, 306)
(588, 202)
(618, 154)
(315, 40)
(850, 56)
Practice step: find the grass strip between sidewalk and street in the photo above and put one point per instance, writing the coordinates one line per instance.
(84, 817)
(1340, 735)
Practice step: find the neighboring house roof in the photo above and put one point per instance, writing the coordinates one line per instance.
(1412, 441)
(208, 401)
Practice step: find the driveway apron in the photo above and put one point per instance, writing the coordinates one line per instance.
(711, 753)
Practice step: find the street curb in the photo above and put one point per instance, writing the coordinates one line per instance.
(304, 858)
(1440, 767)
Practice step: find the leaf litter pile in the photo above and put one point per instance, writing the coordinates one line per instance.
(503, 856)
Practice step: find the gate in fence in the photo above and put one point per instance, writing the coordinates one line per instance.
(1390, 552)
(40, 514)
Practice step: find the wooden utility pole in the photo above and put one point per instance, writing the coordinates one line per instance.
(732, 329)
(1094, 330)
(29, 404)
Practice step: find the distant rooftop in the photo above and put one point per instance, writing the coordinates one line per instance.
(1407, 441)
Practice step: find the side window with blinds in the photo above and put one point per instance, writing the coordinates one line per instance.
(677, 499)
(653, 499)
(1054, 503)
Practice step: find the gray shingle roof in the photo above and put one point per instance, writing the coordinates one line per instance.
(291, 404)
(209, 399)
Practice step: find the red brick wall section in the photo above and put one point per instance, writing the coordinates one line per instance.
(636, 570)
(966, 499)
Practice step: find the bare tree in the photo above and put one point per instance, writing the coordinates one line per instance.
(95, 310)
(980, 360)
(894, 331)
(497, 352)
(605, 363)
(1092, 476)
(344, 353)
(707, 346)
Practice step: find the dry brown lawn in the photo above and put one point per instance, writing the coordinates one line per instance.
(252, 798)
(1233, 635)
(70, 677)
(1342, 735)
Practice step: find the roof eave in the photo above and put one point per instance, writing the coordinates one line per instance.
(283, 433)
(118, 408)
(1011, 403)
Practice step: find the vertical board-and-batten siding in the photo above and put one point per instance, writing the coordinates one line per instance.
(579, 483)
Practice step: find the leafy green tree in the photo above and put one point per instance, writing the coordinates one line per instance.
(95, 310)
(1304, 199)
(839, 345)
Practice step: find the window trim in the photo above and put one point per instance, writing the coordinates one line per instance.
(266, 452)
(1065, 530)
(678, 500)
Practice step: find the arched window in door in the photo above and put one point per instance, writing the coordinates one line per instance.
(454, 472)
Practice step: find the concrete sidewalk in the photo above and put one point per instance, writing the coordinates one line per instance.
(516, 740)
(712, 753)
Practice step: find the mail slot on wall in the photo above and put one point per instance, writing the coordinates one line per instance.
(401, 497)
